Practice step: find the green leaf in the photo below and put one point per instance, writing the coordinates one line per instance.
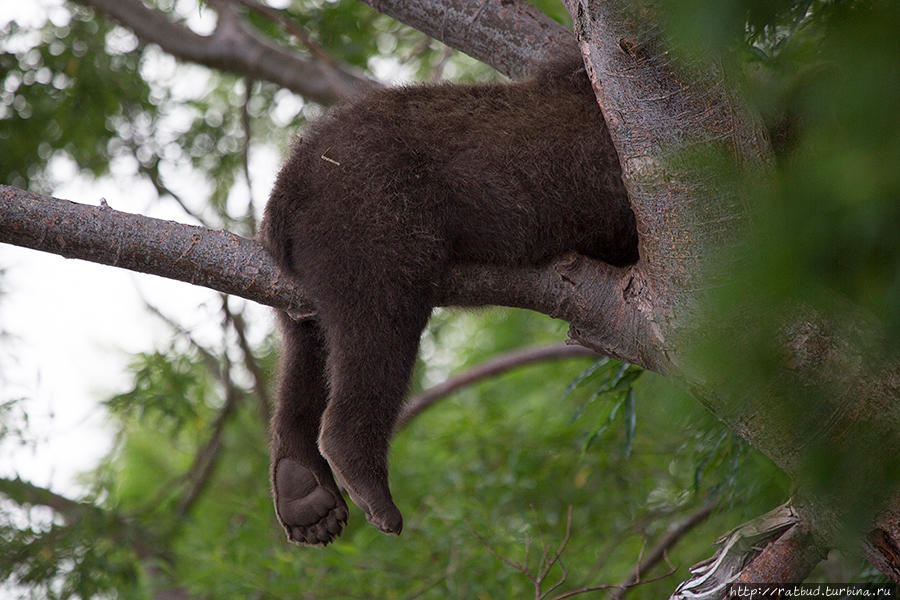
(630, 421)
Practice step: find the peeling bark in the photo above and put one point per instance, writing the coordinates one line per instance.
(788, 559)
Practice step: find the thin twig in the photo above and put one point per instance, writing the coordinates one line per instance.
(546, 563)
(662, 546)
(264, 400)
(282, 18)
(556, 558)
(418, 50)
(438, 72)
(205, 460)
(508, 562)
(245, 154)
(289, 25)
(201, 467)
(527, 547)
(640, 523)
(562, 579)
(543, 560)
(209, 359)
(610, 586)
(418, 593)
(155, 177)
(495, 366)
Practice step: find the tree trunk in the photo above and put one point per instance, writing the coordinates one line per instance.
(829, 406)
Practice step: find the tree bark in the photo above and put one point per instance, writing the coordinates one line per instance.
(831, 399)
(232, 264)
(510, 35)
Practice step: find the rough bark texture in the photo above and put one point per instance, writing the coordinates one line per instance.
(219, 260)
(654, 113)
(685, 218)
(235, 265)
(510, 35)
(882, 547)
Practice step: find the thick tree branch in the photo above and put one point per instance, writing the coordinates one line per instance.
(686, 213)
(510, 35)
(237, 48)
(281, 17)
(500, 364)
(216, 259)
(586, 293)
(23, 492)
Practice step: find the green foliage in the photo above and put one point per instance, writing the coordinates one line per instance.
(826, 82)
(169, 391)
(498, 463)
(85, 556)
(63, 91)
(612, 380)
(833, 212)
(555, 10)
(822, 248)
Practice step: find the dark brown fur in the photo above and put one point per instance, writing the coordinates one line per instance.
(377, 201)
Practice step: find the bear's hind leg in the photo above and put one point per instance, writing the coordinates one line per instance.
(370, 364)
(307, 500)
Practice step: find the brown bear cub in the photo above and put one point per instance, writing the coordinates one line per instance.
(378, 200)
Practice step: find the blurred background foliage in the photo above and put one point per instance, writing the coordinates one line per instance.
(824, 76)
(181, 504)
